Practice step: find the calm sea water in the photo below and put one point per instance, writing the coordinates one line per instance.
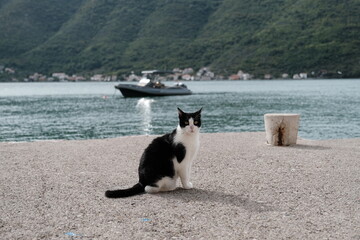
(329, 109)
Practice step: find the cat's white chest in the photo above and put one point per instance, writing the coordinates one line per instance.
(192, 147)
(191, 144)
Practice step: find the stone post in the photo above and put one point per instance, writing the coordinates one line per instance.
(281, 128)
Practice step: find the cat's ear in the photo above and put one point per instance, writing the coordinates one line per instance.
(180, 112)
(199, 112)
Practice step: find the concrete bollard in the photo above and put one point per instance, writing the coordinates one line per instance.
(281, 128)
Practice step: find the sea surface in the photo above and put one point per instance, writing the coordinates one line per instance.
(329, 109)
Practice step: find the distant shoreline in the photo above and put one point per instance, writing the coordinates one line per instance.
(225, 80)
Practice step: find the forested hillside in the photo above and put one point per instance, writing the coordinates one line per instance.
(118, 36)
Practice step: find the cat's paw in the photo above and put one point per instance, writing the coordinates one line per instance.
(150, 189)
(188, 185)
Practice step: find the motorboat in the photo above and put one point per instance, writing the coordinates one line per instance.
(150, 85)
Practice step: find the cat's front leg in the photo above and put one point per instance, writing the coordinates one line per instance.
(185, 178)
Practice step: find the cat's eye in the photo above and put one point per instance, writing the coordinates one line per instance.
(186, 122)
(196, 122)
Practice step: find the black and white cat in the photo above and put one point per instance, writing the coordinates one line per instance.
(167, 158)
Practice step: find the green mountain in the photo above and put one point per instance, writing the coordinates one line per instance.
(118, 36)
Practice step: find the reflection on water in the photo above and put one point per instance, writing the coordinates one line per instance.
(144, 108)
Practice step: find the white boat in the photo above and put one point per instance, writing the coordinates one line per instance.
(150, 85)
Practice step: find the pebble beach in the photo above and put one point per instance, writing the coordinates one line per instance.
(243, 189)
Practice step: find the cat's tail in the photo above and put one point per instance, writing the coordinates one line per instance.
(122, 193)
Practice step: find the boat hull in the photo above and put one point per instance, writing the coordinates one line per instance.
(131, 90)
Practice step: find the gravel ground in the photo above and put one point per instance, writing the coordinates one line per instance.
(243, 189)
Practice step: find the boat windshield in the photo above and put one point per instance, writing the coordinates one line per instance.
(143, 82)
